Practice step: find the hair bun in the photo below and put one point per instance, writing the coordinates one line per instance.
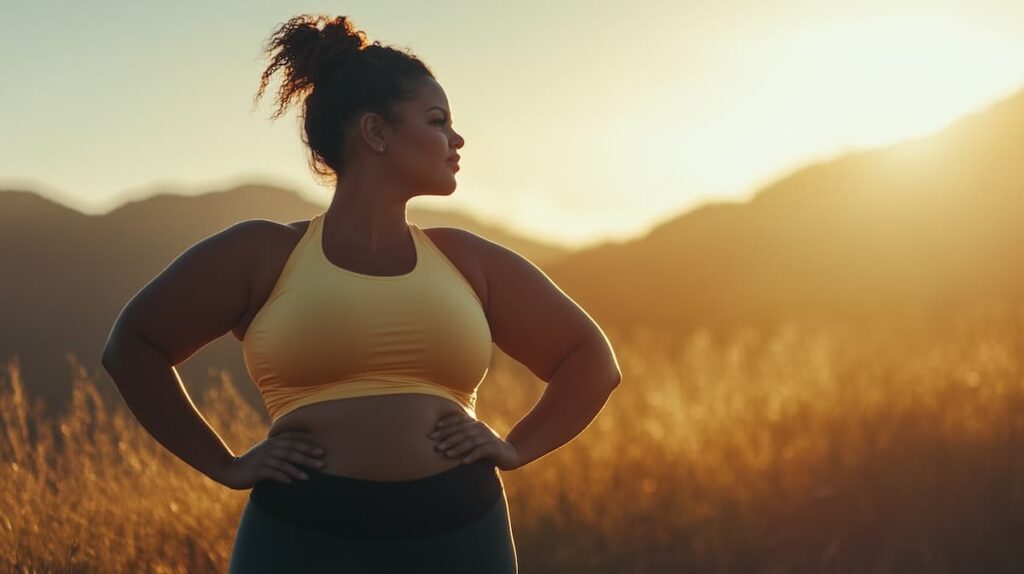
(339, 42)
(305, 51)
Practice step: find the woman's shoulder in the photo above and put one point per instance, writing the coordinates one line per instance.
(259, 227)
(455, 242)
(455, 236)
(465, 243)
(268, 242)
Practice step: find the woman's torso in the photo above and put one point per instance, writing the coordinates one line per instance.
(375, 437)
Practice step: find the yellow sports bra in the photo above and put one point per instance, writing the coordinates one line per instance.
(328, 333)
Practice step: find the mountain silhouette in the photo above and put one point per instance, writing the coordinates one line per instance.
(914, 230)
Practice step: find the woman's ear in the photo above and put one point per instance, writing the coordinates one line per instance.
(373, 130)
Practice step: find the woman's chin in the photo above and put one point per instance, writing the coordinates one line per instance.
(445, 188)
(451, 184)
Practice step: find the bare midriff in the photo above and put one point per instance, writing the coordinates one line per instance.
(383, 437)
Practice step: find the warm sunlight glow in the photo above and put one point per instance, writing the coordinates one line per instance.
(571, 141)
(787, 93)
(888, 80)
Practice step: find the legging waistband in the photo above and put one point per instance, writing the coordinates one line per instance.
(384, 509)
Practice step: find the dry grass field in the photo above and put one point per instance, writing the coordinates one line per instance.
(793, 450)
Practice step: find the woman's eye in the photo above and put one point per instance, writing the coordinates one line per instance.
(439, 122)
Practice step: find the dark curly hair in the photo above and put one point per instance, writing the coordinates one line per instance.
(340, 75)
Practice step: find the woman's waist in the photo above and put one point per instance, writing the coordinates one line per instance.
(377, 437)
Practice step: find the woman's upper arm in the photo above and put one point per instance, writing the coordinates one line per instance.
(531, 318)
(196, 299)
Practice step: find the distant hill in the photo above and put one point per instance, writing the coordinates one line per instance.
(913, 230)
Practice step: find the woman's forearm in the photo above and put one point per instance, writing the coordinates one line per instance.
(158, 400)
(574, 396)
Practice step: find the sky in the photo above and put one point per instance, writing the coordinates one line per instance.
(584, 121)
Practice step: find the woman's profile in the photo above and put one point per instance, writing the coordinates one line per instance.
(367, 338)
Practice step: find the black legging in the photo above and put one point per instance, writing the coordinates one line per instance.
(453, 521)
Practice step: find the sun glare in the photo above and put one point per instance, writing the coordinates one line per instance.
(893, 79)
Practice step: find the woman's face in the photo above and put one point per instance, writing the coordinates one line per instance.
(423, 148)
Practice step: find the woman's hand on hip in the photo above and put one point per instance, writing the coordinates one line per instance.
(460, 435)
(275, 458)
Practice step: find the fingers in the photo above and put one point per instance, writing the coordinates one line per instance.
(306, 447)
(299, 451)
(283, 469)
(458, 433)
(286, 450)
(463, 441)
(454, 434)
(479, 452)
(289, 455)
(274, 474)
(467, 445)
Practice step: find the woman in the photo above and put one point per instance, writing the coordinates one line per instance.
(367, 337)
